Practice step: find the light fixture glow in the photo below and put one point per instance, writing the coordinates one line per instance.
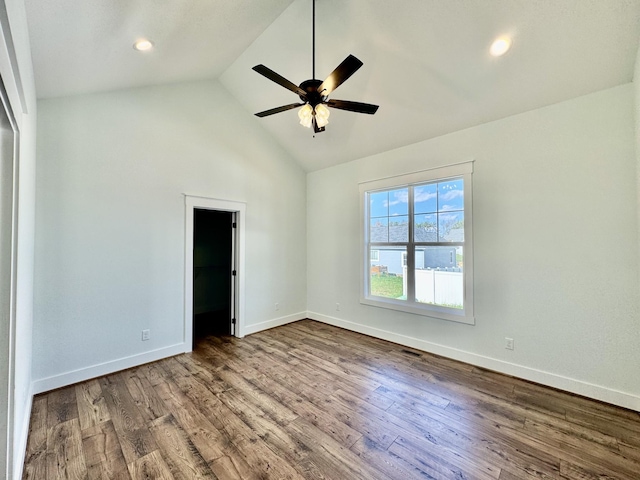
(322, 115)
(305, 114)
(500, 46)
(143, 45)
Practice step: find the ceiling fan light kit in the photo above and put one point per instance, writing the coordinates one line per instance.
(315, 93)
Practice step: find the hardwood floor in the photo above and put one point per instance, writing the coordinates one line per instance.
(308, 400)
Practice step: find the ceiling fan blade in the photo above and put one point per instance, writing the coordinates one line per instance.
(284, 108)
(353, 106)
(348, 67)
(279, 79)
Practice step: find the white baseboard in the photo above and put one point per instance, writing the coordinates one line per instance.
(20, 443)
(276, 322)
(578, 387)
(560, 382)
(82, 374)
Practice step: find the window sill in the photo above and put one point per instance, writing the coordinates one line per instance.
(433, 311)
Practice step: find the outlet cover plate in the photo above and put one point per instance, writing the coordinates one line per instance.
(508, 343)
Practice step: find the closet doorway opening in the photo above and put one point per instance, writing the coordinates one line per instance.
(213, 272)
(214, 269)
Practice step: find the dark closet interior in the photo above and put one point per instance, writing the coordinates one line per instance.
(212, 272)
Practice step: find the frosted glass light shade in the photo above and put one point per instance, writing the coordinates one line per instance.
(322, 115)
(305, 114)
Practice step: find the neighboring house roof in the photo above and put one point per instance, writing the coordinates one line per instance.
(455, 235)
(399, 233)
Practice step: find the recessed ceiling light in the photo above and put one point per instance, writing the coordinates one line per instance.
(500, 46)
(143, 45)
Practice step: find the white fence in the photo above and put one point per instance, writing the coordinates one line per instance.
(437, 286)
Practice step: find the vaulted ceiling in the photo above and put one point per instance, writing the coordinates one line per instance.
(426, 62)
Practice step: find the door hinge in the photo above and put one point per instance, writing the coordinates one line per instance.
(233, 273)
(233, 321)
(233, 225)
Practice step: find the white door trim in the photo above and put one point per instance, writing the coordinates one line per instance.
(239, 208)
(10, 159)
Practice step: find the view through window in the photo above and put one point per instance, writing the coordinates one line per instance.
(416, 243)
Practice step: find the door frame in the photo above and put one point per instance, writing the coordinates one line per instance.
(193, 202)
(9, 382)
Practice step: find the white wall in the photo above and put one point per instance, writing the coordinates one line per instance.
(554, 201)
(112, 171)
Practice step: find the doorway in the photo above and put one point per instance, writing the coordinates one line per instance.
(212, 273)
(210, 211)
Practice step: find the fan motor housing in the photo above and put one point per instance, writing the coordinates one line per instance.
(313, 96)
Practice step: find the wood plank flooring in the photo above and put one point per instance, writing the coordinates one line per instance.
(307, 401)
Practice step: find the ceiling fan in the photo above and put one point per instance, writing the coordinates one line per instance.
(315, 93)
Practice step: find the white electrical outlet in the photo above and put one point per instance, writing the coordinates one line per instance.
(508, 343)
(337, 307)
(277, 307)
(146, 335)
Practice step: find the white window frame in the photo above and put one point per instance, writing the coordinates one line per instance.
(461, 170)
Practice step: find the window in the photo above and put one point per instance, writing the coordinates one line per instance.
(419, 226)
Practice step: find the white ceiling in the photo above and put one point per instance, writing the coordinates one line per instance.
(82, 46)
(426, 62)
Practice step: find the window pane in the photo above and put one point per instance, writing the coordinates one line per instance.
(379, 230)
(451, 195)
(425, 228)
(439, 276)
(398, 229)
(387, 277)
(451, 227)
(425, 198)
(379, 204)
(399, 202)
